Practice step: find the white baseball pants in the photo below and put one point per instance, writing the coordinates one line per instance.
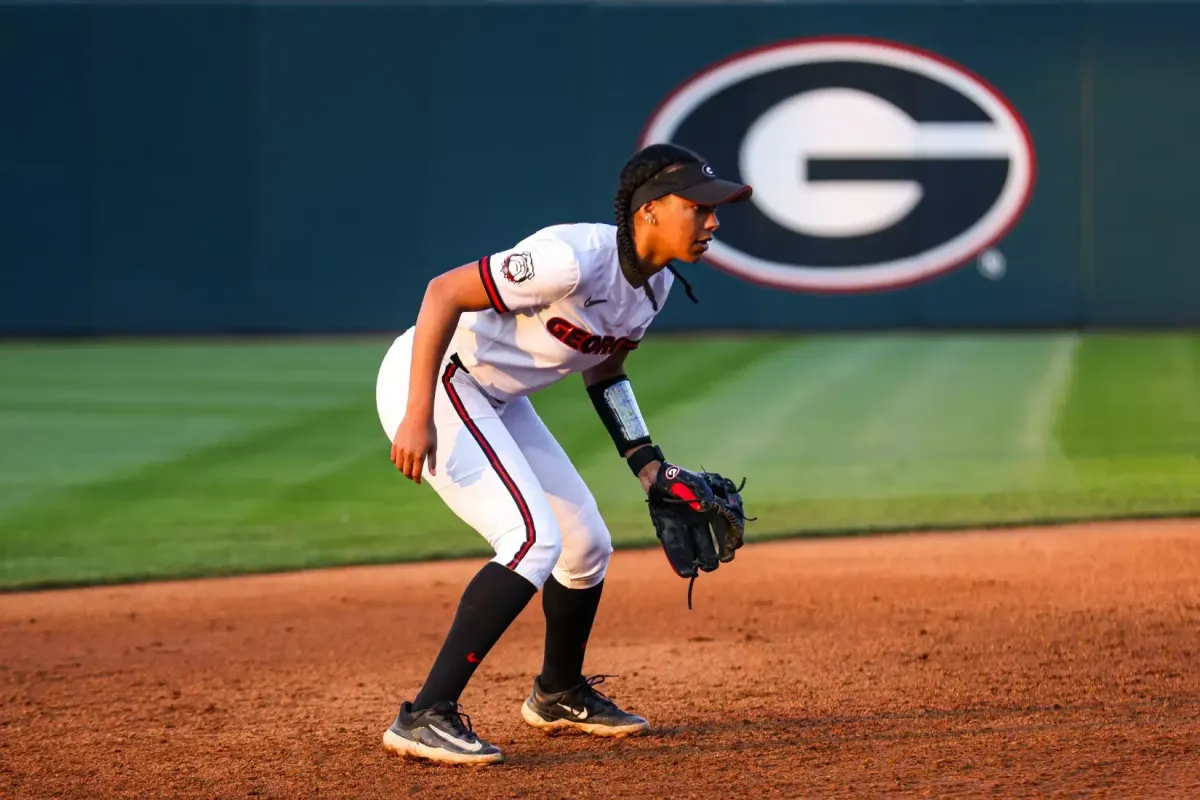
(502, 472)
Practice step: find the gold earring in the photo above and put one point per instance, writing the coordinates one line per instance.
(651, 219)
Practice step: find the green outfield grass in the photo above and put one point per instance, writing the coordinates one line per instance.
(129, 461)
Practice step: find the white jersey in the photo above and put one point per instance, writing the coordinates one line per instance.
(560, 304)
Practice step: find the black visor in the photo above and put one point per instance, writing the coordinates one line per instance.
(695, 182)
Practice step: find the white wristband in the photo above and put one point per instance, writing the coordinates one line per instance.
(620, 399)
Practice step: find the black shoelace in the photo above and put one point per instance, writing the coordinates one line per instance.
(453, 714)
(588, 689)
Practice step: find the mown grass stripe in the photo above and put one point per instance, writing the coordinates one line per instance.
(734, 426)
(217, 472)
(665, 375)
(225, 459)
(1132, 396)
(1046, 397)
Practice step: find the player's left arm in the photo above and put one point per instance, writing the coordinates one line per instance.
(611, 392)
(698, 516)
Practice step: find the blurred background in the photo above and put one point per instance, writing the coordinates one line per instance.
(966, 292)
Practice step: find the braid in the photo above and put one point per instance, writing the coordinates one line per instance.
(644, 165)
(626, 250)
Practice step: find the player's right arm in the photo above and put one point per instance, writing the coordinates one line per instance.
(447, 297)
(537, 272)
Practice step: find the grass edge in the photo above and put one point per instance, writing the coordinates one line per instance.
(845, 532)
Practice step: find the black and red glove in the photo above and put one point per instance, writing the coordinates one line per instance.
(698, 518)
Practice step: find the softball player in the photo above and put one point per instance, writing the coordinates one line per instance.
(453, 397)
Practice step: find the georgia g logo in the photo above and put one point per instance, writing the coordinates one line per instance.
(874, 165)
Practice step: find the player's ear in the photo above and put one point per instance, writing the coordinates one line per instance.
(648, 212)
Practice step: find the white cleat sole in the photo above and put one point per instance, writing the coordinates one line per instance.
(407, 749)
(553, 726)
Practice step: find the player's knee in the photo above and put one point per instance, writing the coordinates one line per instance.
(546, 551)
(535, 549)
(587, 551)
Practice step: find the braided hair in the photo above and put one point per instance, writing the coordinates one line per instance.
(643, 166)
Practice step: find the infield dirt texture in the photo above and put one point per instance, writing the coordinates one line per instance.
(1028, 662)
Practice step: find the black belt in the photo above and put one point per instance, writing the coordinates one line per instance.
(458, 363)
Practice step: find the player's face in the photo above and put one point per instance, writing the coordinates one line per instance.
(686, 228)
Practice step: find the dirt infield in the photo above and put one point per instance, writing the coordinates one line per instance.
(995, 664)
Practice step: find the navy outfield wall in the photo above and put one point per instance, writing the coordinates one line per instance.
(224, 168)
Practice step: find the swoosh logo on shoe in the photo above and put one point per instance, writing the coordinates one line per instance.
(473, 747)
(581, 714)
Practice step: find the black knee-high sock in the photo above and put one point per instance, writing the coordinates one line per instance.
(492, 600)
(569, 617)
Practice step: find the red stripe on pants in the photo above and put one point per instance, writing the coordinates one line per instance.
(494, 460)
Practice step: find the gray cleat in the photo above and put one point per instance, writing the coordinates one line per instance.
(438, 734)
(580, 708)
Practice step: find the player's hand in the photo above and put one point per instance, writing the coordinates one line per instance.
(415, 439)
